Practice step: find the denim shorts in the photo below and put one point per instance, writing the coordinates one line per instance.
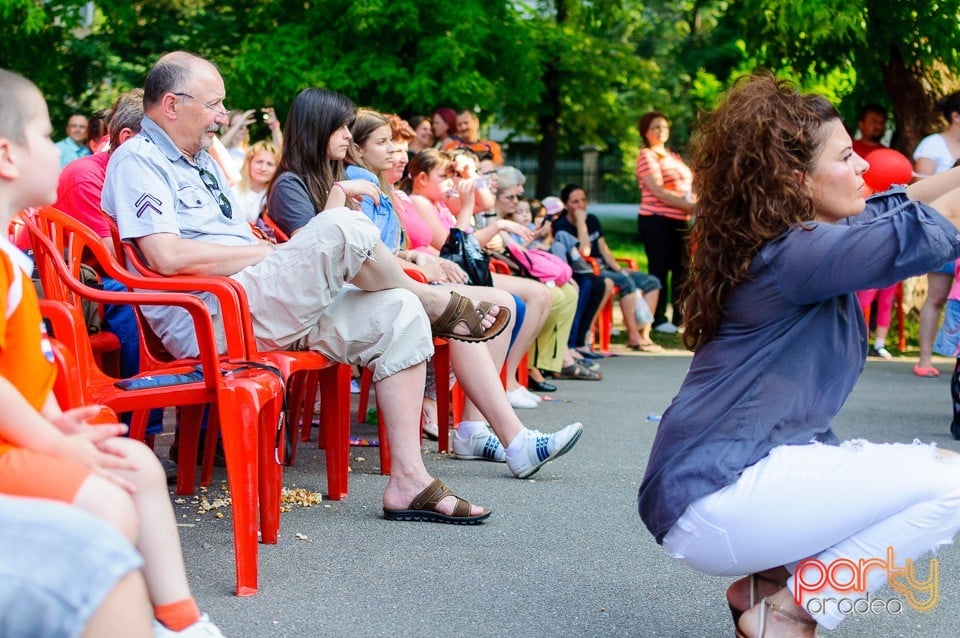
(57, 565)
(948, 338)
(628, 282)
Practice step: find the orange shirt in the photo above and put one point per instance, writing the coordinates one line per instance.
(26, 357)
(480, 146)
(672, 173)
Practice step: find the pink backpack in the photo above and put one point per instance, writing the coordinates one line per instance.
(541, 265)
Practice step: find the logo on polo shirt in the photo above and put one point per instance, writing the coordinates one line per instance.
(148, 202)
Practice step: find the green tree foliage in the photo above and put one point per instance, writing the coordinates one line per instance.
(901, 52)
(563, 72)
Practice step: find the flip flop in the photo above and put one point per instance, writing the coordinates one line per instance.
(930, 373)
(646, 347)
(461, 309)
(423, 508)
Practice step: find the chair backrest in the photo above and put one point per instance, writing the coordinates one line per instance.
(114, 235)
(234, 308)
(58, 240)
(238, 324)
(15, 229)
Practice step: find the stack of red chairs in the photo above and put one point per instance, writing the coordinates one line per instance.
(248, 399)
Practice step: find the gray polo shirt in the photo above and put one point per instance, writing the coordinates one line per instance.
(151, 187)
(788, 350)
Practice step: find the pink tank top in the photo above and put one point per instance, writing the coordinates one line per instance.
(418, 233)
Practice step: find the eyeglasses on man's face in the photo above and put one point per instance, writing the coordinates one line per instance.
(210, 181)
(210, 107)
(513, 198)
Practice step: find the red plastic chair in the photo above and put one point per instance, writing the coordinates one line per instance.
(272, 225)
(603, 326)
(243, 396)
(303, 372)
(106, 345)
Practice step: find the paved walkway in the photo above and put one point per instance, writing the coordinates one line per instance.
(564, 554)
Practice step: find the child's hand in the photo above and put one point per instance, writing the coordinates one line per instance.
(75, 420)
(542, 231)
(465, 188)
(92, 447)
(517, 229)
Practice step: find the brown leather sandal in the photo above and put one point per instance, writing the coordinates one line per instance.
(766, 576)
(774, 607)
(461, 309)
(423, 508)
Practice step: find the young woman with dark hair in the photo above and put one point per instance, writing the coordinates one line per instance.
(370, 149)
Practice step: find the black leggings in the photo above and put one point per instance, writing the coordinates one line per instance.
(955, 395)
(665, 241)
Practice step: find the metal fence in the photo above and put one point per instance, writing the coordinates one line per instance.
(604, 181)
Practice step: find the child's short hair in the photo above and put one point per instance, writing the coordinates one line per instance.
(15, 109)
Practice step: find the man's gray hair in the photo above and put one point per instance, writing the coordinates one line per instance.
(169, 75)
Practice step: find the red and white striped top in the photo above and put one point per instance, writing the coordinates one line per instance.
(668, 170)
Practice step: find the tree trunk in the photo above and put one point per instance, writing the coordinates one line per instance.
(549, 133)
(912, 104)
(548, 124)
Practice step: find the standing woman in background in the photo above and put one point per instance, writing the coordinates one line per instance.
(666, 187)
(934, 154)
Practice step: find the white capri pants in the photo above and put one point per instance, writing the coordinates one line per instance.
(299, 299)
(853, 501)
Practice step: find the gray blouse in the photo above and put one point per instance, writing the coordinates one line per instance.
(788, 350)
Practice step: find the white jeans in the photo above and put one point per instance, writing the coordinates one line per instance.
(854, 501)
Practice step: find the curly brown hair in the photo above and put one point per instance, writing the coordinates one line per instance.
(750, 159)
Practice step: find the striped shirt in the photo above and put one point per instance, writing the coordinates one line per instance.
(669, 171)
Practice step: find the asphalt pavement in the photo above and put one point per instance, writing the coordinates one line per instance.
(564, 553)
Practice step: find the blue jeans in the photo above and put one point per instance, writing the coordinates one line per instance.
(57, 565)
(121, 320)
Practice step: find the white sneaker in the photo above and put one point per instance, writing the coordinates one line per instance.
(482, 446)
(531, 395)
(354, 386)
(666, 327)
(881, 352)
(540, 448)
(203, 628)
(519, 399)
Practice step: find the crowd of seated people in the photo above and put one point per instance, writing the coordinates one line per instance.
(309, 291)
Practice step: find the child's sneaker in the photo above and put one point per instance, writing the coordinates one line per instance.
(203, 628)
(483, 445)
(539, 448)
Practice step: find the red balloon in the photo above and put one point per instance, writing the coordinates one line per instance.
(887, 167)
